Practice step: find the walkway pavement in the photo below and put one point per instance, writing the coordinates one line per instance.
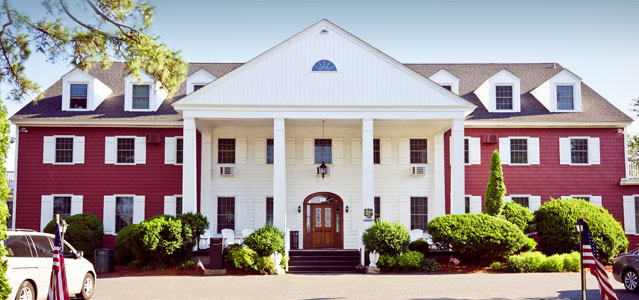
(327, 287)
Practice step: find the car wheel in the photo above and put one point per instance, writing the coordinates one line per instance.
(631, 281)
(26, 291)
(88, 283)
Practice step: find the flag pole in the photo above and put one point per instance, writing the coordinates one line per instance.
(580, 228)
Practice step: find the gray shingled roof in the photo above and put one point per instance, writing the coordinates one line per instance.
(595, 108)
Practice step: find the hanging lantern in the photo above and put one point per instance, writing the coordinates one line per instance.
(323, 169)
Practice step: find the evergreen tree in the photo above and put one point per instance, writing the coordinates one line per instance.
(496, 188)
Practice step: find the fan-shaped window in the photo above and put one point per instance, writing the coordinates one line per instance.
(324, 65)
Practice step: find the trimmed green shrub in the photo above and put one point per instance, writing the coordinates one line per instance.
(478, 236)
(197, 222)
(526, 262)
(496, 188)
(386, 238)
(84, 232)
(387, 262)
(5, 289)
(420, 246)
(158, 238)
(496, 266)
(529, 245)
(556, 226)
(553, 263)
(242, 258)
(518, 215)
(266, 240)
(187, 265)
(124, 245)
(264, 265)
(410, 261)
(571, 261)
(430, 265)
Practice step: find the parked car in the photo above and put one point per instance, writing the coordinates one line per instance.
(626, 270)
(30, 261)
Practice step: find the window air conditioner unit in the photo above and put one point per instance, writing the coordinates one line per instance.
(418, 171)
(491, 138)
(328, 171)
(227, 171)
(153, 138)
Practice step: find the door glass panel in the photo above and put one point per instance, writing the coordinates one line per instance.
(318, 217)
(337, 221)
(308, 218)
(327, 217)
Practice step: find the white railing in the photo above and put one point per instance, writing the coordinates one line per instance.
(362, 249)
(633, 169)
(11, 179)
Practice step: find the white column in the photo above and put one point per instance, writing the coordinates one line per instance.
(189, 166)
(457, 185)
(439, 201)
(205, 177)
(279, 174)
(368, 174)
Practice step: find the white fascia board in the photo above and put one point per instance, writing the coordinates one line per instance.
(94, 123)
(493, 124)
(322, 24)
(326, 113)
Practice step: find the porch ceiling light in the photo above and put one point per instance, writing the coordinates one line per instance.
(323, 169)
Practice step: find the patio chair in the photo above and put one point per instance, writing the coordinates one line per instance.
(245, 233)
(416, 234)
(229, 236)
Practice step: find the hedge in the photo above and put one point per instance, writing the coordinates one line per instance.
(556, 227)
(478, 236)
(529, 262)
(84, 232)
(266, 240)
(124, 245)
(521, 216)
(156, 239)
(386, 238)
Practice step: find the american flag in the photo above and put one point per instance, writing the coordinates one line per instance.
(58, 284)
(591, 260)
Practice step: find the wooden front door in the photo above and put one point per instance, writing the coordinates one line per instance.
(323, 225)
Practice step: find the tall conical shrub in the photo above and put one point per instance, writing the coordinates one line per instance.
(496, 188)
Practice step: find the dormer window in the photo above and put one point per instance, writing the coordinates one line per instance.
(504, 97)
(78, 96)
(448, 87)
(198, 80)
(446, 80)
(141, 96)
(197, 86)
(565, 98)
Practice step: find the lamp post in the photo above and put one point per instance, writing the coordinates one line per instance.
(580, 228)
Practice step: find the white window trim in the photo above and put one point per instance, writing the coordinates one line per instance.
(429, 156)
(332, 138)
(574, 97)
(176, 138)
(527, 138)
(514, 100)
(587, 138)
(217, 153)
(216, 213)
(117, 137)
(624, 214)
(55, 142)
(151, 96)
(51, 212)
(89, 95)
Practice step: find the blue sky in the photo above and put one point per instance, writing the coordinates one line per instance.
(597, 39)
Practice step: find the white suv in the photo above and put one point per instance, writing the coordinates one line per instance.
(30, 261)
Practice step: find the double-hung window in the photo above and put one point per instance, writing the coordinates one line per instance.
(126, 150)
(269, 210)
(178, 206)
(64, 150)
(523, 201)
(225, 213)
(418, 151)
(565, 98)
(579, 151)
(378, 207)
(518, 151)
(78, 96)
(226, 151)
(467, 204)
(141, 96)
(504, 97)
(179, 150)
(418, 213)
(323, 151)
(269, 151)
(376, 151)
(62, 206)
(466, 151)
(123, 212)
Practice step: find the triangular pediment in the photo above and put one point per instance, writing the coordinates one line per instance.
(284, 76)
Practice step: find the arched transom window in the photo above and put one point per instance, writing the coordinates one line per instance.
(324, 65)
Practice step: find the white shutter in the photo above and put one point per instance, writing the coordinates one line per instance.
(504, 150)
(474, 147)
(110, 150)
(533, 151)
(138, 209)
(356, 151)
(46, 211)
(290, 151)
(629, 214)
(534, 203)
(48, 150)
(404, 152)
(386, 155)
(76, 204)
(596, 200)
(593, 151)
(475, 204)
(260, 211)
(240, 151)
(338, 151)
(170, 149)
(506, 199)
(169, 205)
(78, 150)
(108, 215)
(309, 152)
(564, 151)
(240, 214)
(140, 150)
(404, 211)
(260, 151)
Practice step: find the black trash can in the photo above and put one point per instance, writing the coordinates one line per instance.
(216, 254)
(104, 260)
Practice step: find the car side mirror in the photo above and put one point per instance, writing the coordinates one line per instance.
(79, 254)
